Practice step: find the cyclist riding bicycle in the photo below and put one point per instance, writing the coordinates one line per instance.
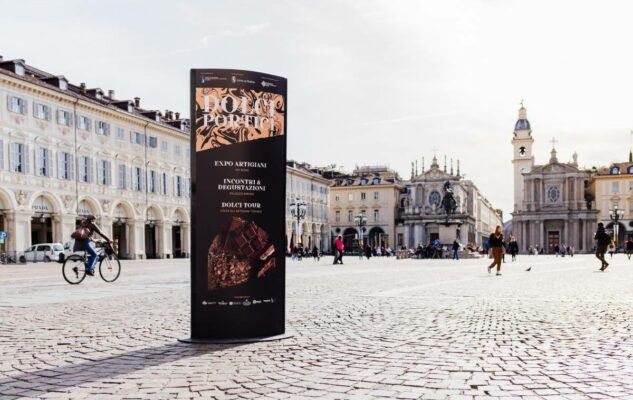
(86, 244)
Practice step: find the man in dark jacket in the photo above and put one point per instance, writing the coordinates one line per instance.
(602, 243)
(455, 250)
(87, 245)
(629, 248)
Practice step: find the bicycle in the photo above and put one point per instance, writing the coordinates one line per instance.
(74, 267)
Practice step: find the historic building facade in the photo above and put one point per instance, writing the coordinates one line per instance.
(305, 184)
(68, 150)
(613, 190)
(371, 192)
(552, 202)
(422, 219)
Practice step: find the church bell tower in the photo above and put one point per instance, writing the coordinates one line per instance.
(523, 159)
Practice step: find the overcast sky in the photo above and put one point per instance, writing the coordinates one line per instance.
(370, 82)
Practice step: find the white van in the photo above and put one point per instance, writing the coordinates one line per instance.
(42, 252)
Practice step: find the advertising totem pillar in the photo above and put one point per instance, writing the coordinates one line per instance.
(238, 172)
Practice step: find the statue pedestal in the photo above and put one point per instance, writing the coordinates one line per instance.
(448, 233)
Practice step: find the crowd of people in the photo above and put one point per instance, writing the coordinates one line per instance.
(496, 247)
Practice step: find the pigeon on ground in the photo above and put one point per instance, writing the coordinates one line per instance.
(529, 269)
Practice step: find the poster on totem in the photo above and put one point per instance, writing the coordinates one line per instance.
(238, 169)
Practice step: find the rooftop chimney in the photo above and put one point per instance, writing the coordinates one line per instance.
(82, 87)
(166, 114)
(137, 102)
(177, 115)
(1, 58)
(111, 94)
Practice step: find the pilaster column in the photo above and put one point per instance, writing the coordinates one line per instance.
(19, 226)
(167, 237)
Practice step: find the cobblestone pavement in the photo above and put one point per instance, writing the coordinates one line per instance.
(382, 328)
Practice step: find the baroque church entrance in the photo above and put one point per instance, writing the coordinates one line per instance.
(553, 240)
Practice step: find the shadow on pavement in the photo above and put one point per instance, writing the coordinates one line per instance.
(64, 378)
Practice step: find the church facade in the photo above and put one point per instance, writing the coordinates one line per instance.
(553, 205)
(422, 218)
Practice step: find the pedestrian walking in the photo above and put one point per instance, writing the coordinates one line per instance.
(455, 250)
(300, 252)
(368, 251)
(603, 240)
(315, 253)
(513, 247)
(496, 244)
(629, 248)
(338, 252)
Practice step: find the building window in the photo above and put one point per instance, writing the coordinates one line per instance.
(137, 179)
(19, 157)
(153, 181)
(122, 176)
(104, 173)
(84, 123)
(337, 197)
(435, 199)
(44, 162)
(376, 215)
(136, 137)
(152, 141)
(350, 216)
(615, 171)
(553, 194)
(350, 197)
(376, 181)
(363, 181)
(120, 133)
(631, 185)
(178, 186)
(338, 216)
(16, 104)
(177, 149)
(66, 166)
(363, 195)
(615, 187)
(163, 188)
(376, 196)
(41, 111)
(164, 145)
(85, 169)
(103, 128)
(64, 118)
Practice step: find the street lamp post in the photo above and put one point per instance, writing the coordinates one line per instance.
(361, 221)
(298, 210)
(615, 214)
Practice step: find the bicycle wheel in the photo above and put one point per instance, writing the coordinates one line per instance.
(74, 269)
(109, 268)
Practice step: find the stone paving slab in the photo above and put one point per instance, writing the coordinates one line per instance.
(383, 328)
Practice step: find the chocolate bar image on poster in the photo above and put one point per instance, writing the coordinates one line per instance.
(238, 136)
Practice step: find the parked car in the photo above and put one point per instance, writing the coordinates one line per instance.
(43, 252)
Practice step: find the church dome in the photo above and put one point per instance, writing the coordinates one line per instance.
(522, 122)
